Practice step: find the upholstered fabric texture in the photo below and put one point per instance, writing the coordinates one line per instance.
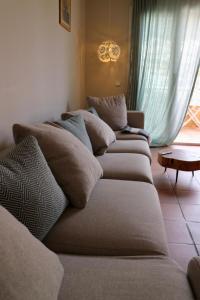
(28, 269)
(136, 278)
(101, 135)
(135, 118)
(126, 166)
(127, 136)
(121, 218)
(130, 146)
(194, 275)
(73, 165)
(76, 126)
(29, 190)
(111, 109)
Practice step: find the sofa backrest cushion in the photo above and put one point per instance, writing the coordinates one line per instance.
(28, 269)
(76, 126)
(73, 165)
(111, 109)
(28, 188)
(101, 135)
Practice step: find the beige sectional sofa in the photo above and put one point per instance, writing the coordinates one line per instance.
(135, 278)
(115, 248)
(122, 216)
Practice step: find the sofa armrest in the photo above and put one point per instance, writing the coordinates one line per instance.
(194, 275)
(135, 118)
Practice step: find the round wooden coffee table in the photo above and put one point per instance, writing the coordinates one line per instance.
(180, 160)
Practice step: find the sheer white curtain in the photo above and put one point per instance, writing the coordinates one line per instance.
(169, 56)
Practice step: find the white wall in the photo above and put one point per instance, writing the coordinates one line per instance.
(41, 64)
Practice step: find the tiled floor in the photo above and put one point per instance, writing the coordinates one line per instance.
(180, 206)
(188, 135)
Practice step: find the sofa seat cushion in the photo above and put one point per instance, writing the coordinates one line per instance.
(126, 166)
(129, 146)
(129, 136)
(123, 279)
(121, 218)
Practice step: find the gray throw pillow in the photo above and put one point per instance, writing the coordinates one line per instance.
(28, 189)
(101, 135)
(93, 111)
(111, 109)
(76, 126)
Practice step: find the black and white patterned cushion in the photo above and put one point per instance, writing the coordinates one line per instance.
(29, 190)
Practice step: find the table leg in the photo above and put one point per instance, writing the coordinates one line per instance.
(192, 173)
(176, 175)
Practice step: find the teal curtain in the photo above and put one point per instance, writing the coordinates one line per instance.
(165, 56)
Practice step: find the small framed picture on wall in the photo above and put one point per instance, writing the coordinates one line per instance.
(65, 14)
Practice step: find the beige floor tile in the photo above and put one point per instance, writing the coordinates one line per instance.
(197, 176)
(186, 181)
(195, 231)
(197, 173)
(177, 232)
(171, 212)
(161, 181)
(182, 253)
(198, 249)
(167, 196)
(188, 197)
(155, 167)
(159, 172)
(191, 212)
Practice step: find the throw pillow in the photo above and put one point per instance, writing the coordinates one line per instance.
(73, 165)
(101, 135)
(93, 111)
(28, 269)
(29, 190)
(76, 126)
(111, 109)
